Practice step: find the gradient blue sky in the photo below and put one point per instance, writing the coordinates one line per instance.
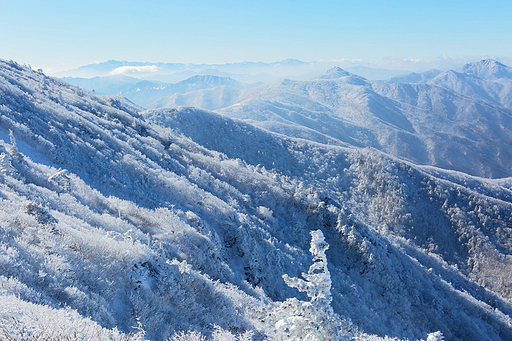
(64, 34)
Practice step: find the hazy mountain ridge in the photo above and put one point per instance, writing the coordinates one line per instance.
(414, 77)
(183, 218)
(144, 91)
(143, 68)
(245, 72)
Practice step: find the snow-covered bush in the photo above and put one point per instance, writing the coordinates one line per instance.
(218, 334)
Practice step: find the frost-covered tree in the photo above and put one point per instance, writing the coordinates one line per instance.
(62, 180)
(13, 150)
(6, 166)
(313, 320)
(218, 334)
(437, 336)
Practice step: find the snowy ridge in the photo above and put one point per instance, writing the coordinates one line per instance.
(178, 219)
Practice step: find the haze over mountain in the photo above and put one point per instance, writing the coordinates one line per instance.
(414, 77)
(431, 122)
(143, 92)
(244, 72)
(142, 69)
(176, 219)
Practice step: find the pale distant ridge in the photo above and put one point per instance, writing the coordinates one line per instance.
(414, 77)
(143, 92)
(430, 122)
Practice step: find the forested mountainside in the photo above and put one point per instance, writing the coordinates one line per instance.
(459, 120)
(115, 221)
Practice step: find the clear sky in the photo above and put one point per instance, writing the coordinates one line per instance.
(63, 34)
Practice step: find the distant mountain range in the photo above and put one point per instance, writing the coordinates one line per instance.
(487, 80)
(112, 67)
(144, 82)
(244, 72)
(153, 87)
(143, 92)
(123, 223)
(458, 120)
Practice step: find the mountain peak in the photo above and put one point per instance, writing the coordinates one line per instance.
(335, 72)
(291, 62)
(487, 68)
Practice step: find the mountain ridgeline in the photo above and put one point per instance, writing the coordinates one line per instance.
(459, 120)
(124, 222)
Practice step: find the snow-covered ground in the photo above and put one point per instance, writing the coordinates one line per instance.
(115, 221)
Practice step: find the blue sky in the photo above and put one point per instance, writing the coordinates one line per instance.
(60, 35)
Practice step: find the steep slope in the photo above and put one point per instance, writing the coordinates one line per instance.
(431, 213)
(177, 219)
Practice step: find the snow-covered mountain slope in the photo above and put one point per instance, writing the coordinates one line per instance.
(457, 132)
(487, 80)
(424, 123)
(172, 220)
(144, 91)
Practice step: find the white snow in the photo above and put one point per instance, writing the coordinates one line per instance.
(184, 221)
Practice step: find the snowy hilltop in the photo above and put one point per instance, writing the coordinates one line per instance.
(176, 223)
